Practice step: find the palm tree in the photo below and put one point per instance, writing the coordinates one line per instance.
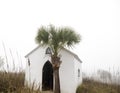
(56, 39)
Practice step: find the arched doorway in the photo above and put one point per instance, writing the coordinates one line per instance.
(47, 76)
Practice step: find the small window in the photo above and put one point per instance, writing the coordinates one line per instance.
(28, 62)
(78, 72)
(48, 51)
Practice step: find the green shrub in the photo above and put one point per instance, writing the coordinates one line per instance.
(82, 89)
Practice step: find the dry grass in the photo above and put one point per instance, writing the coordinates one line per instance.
(10, 81)
(13, 82)
(91, 86)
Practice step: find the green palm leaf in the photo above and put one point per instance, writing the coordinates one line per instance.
(57, 38)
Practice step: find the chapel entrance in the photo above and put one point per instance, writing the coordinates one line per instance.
(47, 76)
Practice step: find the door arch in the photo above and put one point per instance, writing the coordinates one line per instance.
(47, 76)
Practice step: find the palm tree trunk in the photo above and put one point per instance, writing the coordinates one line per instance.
(56, 65)
(56, 81)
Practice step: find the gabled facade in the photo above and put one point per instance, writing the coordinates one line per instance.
(39, 70)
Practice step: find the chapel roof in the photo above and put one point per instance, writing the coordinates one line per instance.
(76, 56)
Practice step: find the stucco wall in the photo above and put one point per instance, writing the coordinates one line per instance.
(68, 74)
(37, 60)
(77, 75)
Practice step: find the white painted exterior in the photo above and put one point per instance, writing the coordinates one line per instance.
(69, 79)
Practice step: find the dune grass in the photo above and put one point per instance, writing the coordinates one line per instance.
(91, 86)
(13, 82)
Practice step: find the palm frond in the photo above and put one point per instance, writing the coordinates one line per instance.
(42, 37)
(57, 38)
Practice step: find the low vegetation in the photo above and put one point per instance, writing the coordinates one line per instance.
(92, 86)
(13, 82)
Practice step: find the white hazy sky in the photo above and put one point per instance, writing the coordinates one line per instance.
(98, 22)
